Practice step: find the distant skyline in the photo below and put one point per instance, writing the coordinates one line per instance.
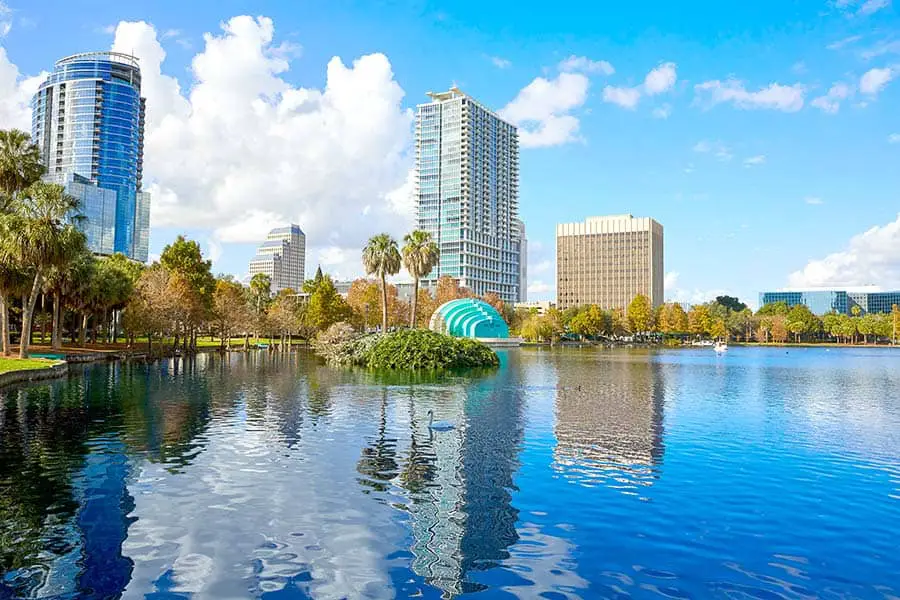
(764, 136)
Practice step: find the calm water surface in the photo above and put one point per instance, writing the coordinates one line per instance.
(570, 474)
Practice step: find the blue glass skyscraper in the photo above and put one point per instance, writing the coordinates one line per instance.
(88, 121)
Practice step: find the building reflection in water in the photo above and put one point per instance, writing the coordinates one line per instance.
(459, 482)
(609, 419)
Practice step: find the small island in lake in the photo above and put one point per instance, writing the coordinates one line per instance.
(403, 349)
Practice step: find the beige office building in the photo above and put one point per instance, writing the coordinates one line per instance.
(608, 261)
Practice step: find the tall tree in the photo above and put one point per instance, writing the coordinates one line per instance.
(44, 239)
(230, 311)
(64, 283)
(192, 280)
(325, 306)
(20, 163)
(260, 291)
(731, 303)
(420, 256)
(640, 315)
(382, 258)
(20, 167)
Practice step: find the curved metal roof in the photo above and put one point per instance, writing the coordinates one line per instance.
(469, 317)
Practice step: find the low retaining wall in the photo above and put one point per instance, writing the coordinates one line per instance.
(29, 375)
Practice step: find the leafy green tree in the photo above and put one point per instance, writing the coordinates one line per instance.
(831, 324)
(64, 283)
(895, 322)
(640, 315)
(326, 307)
(868, 325)
(801, 321)
(261, 292)
(382, 258)
(420, 255)
(731, 303)
(774, 308)
(193, 282)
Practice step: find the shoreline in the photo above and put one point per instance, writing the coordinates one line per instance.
(61, 368)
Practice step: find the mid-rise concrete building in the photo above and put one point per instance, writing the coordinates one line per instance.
(283, 258)
(608, 261)
(467, 193)
(88, 122)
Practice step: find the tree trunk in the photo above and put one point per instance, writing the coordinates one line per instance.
(55, 333)
(4, 324)
(28, 314)
(415, 300)
(150, 344)
(383, 304)
(82, 333)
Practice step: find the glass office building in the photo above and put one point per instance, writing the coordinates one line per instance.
(843, 302)
(467, 193)
(88, 121)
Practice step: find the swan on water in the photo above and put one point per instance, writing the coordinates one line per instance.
(440, 425)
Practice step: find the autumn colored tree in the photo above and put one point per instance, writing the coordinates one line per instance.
(448, 289)
(494, 300)
(699, 320)
(779, 328)
(231, 314)
(363, 299)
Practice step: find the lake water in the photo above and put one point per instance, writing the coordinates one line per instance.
(570, 474)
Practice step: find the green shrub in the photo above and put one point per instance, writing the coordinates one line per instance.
(405, 349)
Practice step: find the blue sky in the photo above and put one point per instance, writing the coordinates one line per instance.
(763, 143)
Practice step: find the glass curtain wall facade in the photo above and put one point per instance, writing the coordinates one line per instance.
(608, 261)
(843, 302)
(88, 120)
(467, 193)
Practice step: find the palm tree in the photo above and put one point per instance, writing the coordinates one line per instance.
(44, 238)
(13, 279)
(381, 257)
(20, 162)
(420, 256)
(20, 166)
(63, 283)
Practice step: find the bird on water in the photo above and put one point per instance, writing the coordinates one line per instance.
(440, 425)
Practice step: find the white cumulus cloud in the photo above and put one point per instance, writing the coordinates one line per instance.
(541, 110)
(814, 200)
(661, 79)
(753, 161)
(583, 64)
(625, 97)
(870, 258)
(786, 98)
(894, 138)
(243, 150)
(15, 94)
(831, 102)
(874, 80)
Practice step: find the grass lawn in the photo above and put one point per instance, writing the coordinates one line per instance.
(16, 364)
